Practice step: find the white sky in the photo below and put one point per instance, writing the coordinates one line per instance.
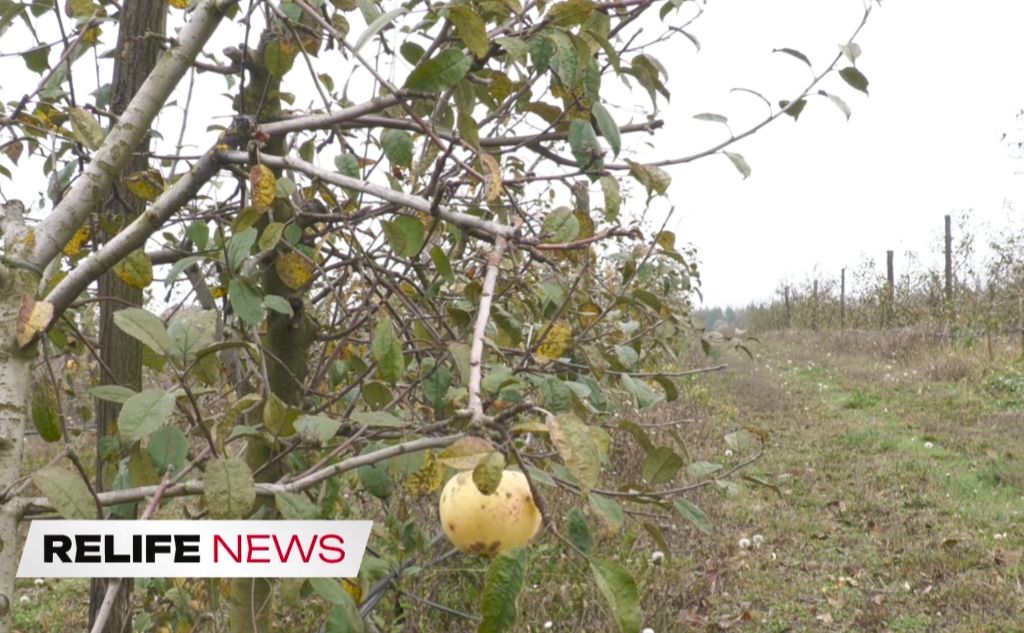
(946, 81)
(945, 84)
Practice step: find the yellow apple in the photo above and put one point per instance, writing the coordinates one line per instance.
(489, 524)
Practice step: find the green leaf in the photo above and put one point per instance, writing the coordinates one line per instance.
(654, 179)
(639, 434)
(488, 473)
(711, 116)
(571, 12)
(376, 394)
(578, 531)
(387, 351)
(793, 109)
(694, 515)
(585, 148)
(698, 470)
(179, 267)
(855, 78)
(377, 419)
(376, 480)
(246, 302)
(295, 507)
(279, 56)
(645, 396)
(609, 130)
(191, 331)
(144, 413)
(612, 198)
(742, 441)
(239, 247)
(144, 326)
(619, 589)
(405, 235)
(135, 270)
(375, 27)
(561, 225)
(502, 584)
(576, 446)
(608, 512)
(168, 449)
(661, 465)
(468, 452)
(38, 60)
(444, 266)
(740, 163)
(317, 428)
(411, 52)
(270, 236)
(516, 48)
(435, 385)
(44, 413)
(471, 29)
(330, 590)
(794, 53)
(348, 165)
(66, 491)
(230, 490)
(278, 304)
(440, 73)
(112, 393)
(343, 618)
(397, 146)
(86, 129)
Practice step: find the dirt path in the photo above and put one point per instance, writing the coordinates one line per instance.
(899, 500)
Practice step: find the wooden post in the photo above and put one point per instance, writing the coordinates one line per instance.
(814, 307)
(890, 288)
(789, 313)
(1020, 322)
(842, 299)
(948, 298)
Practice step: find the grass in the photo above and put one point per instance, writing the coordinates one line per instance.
(890, 499)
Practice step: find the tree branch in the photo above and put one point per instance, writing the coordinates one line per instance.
(93, 186)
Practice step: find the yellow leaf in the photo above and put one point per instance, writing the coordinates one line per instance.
(263, 186)
(294, 270)
(428, 478)
(353, 589)
(74, 246)
(33, 318)
(494, 187)
(555, 342)
(135, 270)
(145, 185)
(218, 292)
(178, 4)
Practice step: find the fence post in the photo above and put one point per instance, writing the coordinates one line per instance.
(890, 288)
(949, 274)
(814, 307)
(789, 313)
(842, 299)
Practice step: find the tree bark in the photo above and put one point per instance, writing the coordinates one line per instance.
(138, 45)
(15, 383)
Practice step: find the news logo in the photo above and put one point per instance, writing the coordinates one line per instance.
(196, 549)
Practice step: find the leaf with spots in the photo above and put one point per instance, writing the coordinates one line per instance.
(229, 488)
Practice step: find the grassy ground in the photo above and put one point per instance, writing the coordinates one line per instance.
(890, 498)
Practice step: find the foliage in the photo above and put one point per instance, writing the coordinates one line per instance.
(418, 259)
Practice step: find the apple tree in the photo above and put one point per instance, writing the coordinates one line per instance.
(354, 244)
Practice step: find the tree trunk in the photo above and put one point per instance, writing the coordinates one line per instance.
(138, 45)
(286, 345)
(15, 384)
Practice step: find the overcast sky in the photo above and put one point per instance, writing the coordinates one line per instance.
(947, 79)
